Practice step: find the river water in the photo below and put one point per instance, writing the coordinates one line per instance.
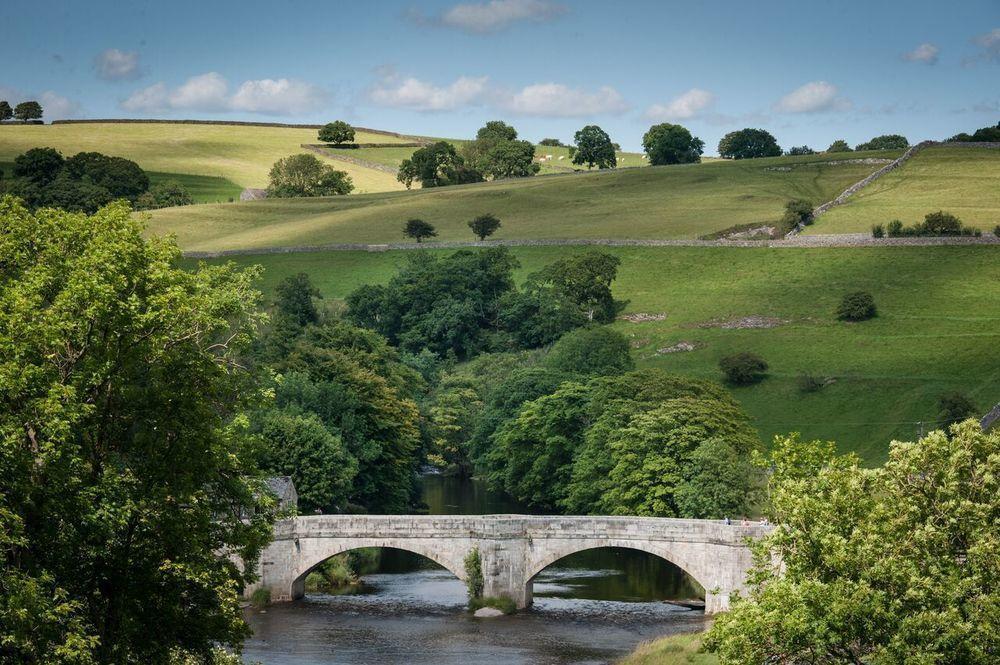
(591, 607)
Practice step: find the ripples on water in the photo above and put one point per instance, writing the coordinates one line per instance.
(420, 617)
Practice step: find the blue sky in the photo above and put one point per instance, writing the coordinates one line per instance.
(809, 72)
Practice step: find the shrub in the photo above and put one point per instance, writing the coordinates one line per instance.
(840, 145)
(885, 142)
(954, 407)
(261, 597)
(798, 211)
(743, 369)
(485, 225)
(418, 229)
(474, 575)
(878, 231)
(856, 306)
(801, 150)
(996, 230)
(895, 228)
(942, 223)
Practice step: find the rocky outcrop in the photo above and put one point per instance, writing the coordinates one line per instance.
(253, 194)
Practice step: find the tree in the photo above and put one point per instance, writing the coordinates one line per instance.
(584, 279)
(885, 142)
(496, 152)
(718, 482)
(954, 407)
(671, 144)
(305, 175)
(121, 177)
(485, 225)
(594, 148)
(749, 144)
(591, 350)
(436, 165)
(125, 468)
(840, 145)
(336, 132)
(856, 306)
(299, 445)
(896, 564)
(294, 299)
(169, 194)
(797, 212)
(743, 369)
(39, 165)
(26, 111)
(801, 150)
(418, 229)
(554, 143)
(539, 314)
(942, 223)
(6, 113)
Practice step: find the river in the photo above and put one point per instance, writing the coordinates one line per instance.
(591, 607)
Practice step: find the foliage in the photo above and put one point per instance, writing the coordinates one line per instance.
(125, 463)
(298, 444)
(840, 145)
(502, 603)
(890, 565)
(453, 411)
(30, 110)
(305, 175)
(6, 112)
(719, 481)
(798, 211)
(474, 574)
(885, 142)
(418, 229)
(954, 407)
(39, 165)
(594, 148)
(878, 231)
(437, 165)
(122, 178)
(802, 150)
(983, 134)
(743, 369)
(683, 649)
(293, 298)
(336, 132)
(164, 195)
(496, 152)
(555, 143)
(591, 350)
(856, 306)
(261, 598)
(585, 280)
(485, 225)
(671, 144)
(748, 144)
(935, 224)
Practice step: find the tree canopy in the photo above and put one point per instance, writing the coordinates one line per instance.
(485, 225)
(6, 112)
(749, 144)
(898, 564)
(29, 110)
(496, 152)
(840, 145)
(671, 144)
(594, 148)
(885, 142)
(336, 132)
(305, 175)
(125, 462)
(418, 229)
(437, 165)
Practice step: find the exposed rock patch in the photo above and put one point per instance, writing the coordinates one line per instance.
(642, 317)
(487, 613)
(253, 194)
(680, 347)
(744, 323)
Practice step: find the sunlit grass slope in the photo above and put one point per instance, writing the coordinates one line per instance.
(938, 327)
(655, 202)
(238, 153)
(961, 180)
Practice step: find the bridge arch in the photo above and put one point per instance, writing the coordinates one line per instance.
(555, 551)
(314, 551)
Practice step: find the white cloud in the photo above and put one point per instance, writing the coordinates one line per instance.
(682, 107)
(54, 105)
(813, 97)
(114, 65)
(990, 43)
(495, 15)
(558, 100)
(412, 93)
(210, 93)
(926, 53)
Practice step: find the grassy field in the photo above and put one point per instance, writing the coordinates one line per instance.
(241, 154)
(938, 327)
(655, 202)
(672, 650)
(960, 180)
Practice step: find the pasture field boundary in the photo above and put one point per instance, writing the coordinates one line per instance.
(844, 240)
(237, 123)
(337, 155)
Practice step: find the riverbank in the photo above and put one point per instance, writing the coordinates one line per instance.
(672, 650)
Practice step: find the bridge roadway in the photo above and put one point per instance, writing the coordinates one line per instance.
(513, 548)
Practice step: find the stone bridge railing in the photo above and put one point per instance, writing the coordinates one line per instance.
(513, 548)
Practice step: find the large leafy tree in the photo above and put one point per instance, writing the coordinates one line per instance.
(6, 112)
(594, 148)
(496, 152)
(885, 142)
(39, 165)
(125, 478)
(336, 132)
(585, 279)
(484, 225)
(306, 175)
(899, 564)
(671, 144)
(437, 165)
(30, 110)
(749, 144)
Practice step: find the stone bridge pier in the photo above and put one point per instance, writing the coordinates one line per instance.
(513, 548)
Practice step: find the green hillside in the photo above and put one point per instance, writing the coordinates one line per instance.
(962, 180)
(938, 326)
(655, 202)
(240, 154)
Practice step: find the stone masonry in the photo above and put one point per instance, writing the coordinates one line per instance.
(513, 548)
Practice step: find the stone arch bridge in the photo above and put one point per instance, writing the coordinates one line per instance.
(513, 548)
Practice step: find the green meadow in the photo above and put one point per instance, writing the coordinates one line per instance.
(654, 202)
(938, 326)
(962, 180)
